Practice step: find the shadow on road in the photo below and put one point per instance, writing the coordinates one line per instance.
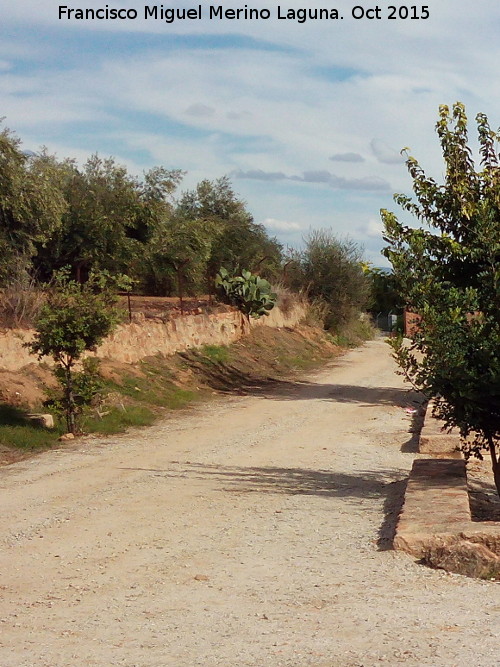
(293, 481)
(417, 422)
(344, 393)
(303, 481)
(301, 390)
(227, 378)
(393, 503)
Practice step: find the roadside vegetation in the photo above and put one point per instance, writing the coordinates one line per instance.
(449, 274)
(93, 218)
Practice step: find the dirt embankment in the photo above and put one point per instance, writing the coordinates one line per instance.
(156, 327)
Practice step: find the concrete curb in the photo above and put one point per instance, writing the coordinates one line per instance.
(435, 523)
(436, 512)
(433, 440)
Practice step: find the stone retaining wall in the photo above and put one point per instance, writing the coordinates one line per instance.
(141, 338)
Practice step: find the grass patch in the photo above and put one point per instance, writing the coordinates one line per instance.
(179, 398)
(354, 333)
(118, 420)
(157, 368)
(143, 390)
(11, 416)
(28, 437)
(214, 354)
(17, 431)
(298, 362)
(153, 391)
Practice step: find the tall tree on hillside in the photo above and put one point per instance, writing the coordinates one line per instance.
(240, 243)
(178, 255)
(450, 274)
(110, 217)
(330, 269)
(31, 202)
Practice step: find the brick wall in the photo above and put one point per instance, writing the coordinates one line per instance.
(411, 323)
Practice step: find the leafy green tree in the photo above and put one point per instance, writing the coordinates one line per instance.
(449, 273)
(110, 218)
(74, 319)
(238, 241)
(384, 295)
(31, 202)
(330, 270)
(178, 256)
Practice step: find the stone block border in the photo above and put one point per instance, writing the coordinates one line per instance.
(435, 522)
(433, 440)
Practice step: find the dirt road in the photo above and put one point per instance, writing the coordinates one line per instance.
(252, 531)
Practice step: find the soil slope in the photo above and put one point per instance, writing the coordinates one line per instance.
(252, 531)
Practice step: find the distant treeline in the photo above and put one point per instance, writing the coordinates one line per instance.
(98, 217)
(54, 213)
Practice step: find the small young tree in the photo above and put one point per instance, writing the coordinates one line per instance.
(450, 275)
(74, 319)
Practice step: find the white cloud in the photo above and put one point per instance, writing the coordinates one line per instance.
(281, 225)
(347, 157)
(201, 110)
(384, 153)
(322, 177)
(260, 175)
(373, 228)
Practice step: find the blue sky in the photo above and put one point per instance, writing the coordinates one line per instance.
(307, 119)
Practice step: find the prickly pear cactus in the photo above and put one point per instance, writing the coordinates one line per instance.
(248, 292)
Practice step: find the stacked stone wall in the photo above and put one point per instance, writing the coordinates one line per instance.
(144, 337)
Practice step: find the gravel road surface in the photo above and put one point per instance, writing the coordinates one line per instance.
(251, 531)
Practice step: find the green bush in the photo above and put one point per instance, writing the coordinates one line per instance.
(330, 271)
(74, 319)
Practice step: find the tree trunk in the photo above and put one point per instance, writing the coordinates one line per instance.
(79, 272)
(496, 477)
(246, 327)
(180, 282)
(210, 287)
(495, 463)
(180, 291)
(70, 406)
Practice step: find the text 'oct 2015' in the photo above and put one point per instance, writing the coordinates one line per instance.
(391, 12)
